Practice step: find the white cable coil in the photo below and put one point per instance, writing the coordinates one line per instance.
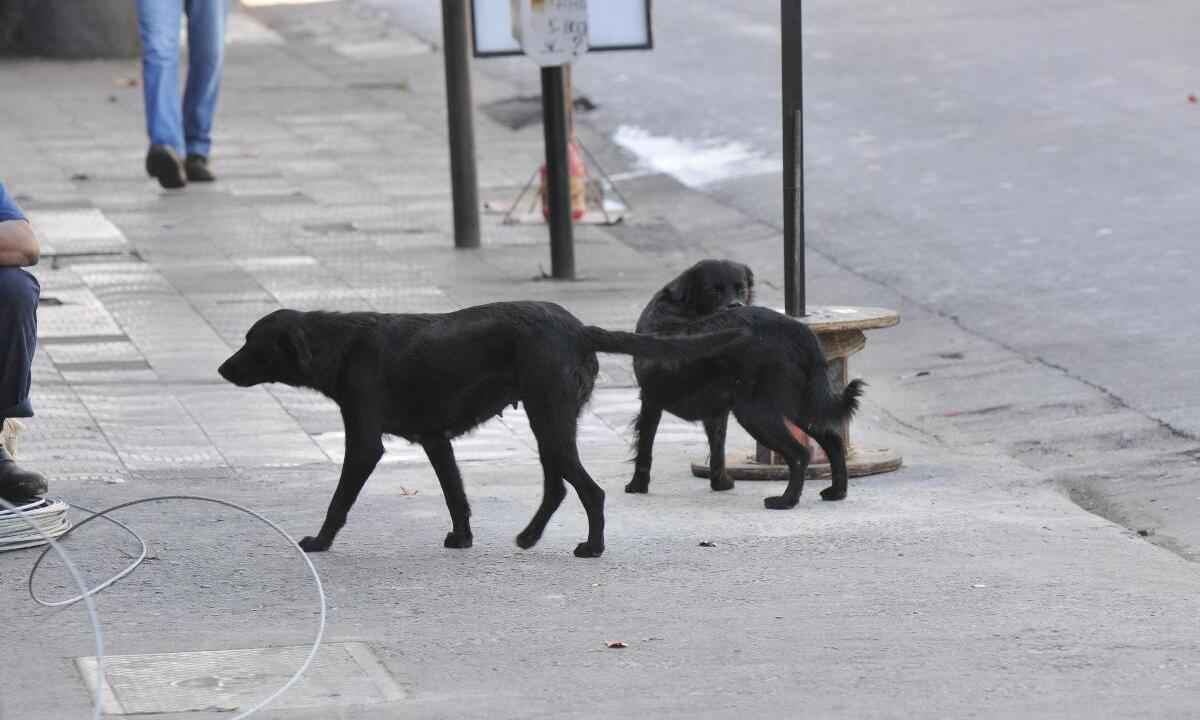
(43, 518)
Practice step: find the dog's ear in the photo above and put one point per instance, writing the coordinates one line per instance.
(677, 291)
(295, 340)
(749, 284)
(688, 288)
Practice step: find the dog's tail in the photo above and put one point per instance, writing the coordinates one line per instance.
(833, 408)
(665, 347)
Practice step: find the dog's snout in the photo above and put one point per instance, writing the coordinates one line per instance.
(233, 372)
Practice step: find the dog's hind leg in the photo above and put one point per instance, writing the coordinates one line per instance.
(772, 431)
(831, 442)
(553, 492)
(441, 456)
(592, 497)
(646, 427)
(715, 428)
(554, 426)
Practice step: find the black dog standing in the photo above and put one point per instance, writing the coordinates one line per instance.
(431, 378)
(693, 391)
(773, 384)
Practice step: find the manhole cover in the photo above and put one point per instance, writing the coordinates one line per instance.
(230, 680)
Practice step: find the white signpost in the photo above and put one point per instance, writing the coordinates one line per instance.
(555, 33)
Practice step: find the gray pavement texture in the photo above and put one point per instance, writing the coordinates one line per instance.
(967, 584)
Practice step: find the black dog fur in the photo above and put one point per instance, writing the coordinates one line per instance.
(431, 378)
(779, 378)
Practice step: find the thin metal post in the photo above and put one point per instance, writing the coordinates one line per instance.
(791, 28)
(558, 182)
(463, 182)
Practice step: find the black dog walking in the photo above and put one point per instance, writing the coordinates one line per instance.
(777, 381)
(432, 378)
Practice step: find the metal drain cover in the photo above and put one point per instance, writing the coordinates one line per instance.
(230, 680)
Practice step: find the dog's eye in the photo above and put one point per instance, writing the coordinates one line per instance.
(739, 287)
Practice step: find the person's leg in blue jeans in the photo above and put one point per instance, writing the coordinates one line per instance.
(158, 24)
(177, 131)
(206, 57)
(19, 293)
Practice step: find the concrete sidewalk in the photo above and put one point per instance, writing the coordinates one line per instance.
(964, 585)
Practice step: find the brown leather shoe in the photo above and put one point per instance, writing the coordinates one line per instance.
(163, 164)
(17, 484)
(197, 169)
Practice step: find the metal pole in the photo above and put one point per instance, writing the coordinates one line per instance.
(463, 182)
(558, 182)
(793, 157)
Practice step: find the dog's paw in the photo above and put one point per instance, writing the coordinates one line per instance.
(831, 493)
(640, 482)
(588, 550)
(779, 502)
(721, 483)
(528, 539)
(458, 541)
(311, 544)
(638, 485)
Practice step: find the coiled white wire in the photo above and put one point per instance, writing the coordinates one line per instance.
(87, 598)
(85, 594)
(49, 515)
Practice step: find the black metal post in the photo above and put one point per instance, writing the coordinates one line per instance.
(793, 157)
(558, 182)
(463, 182)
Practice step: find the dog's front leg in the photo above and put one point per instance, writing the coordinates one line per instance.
(441, 456)
(364, 447)
(646, 427)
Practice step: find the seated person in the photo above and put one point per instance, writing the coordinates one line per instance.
(19, 293)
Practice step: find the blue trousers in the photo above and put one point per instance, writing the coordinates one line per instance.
(188, 130)
(19, 292)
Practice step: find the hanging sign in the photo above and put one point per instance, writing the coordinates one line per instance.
(497, 25)
(551, 32)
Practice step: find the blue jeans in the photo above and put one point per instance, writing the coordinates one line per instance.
(189, 131)
(19, 293)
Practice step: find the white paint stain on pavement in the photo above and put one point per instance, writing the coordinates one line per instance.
(694, 163)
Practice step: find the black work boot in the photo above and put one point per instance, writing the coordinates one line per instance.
(16, 484)
(197, 169)
(163, 164)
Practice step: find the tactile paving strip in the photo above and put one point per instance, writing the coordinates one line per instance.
(85, 230)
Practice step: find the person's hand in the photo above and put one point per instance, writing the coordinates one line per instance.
(18, 245)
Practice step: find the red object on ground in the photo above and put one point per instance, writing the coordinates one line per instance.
(1191, 98)
(578, 174)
